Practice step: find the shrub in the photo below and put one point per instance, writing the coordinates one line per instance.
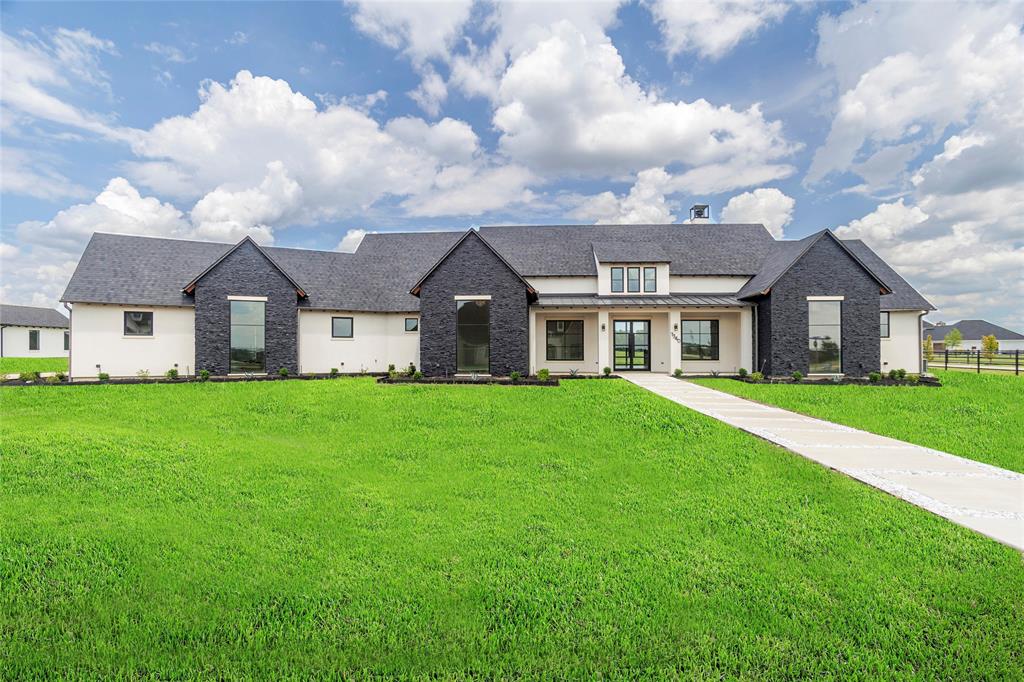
(283, 371)
(544, 374)
(913, 378)
(417, 375)
(172, 373)
(410, 370)
(143, 374)
(61, 376)
(391, 368)
(515, 377)
(893, 374)
(742, 372)
(677, 373)
(756, 377)
(797, 375)
(29, 376)
(392, 374)
(103, 376)
(334, 372)
(874, 377)
(204, 375)
(607, 371)
(52, 379)
(901, 374)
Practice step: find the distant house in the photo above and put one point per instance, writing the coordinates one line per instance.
(28, 332)
(972, 331)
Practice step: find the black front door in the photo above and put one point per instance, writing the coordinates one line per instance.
(632, 349)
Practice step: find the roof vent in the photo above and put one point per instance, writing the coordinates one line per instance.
(700, 213)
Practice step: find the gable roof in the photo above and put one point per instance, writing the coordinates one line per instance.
(629, 252)
(784, 258)
(974, 330)
(903, 296)
(31, 316)
(415, 291)
(191, 286)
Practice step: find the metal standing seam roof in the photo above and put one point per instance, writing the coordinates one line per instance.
(31, 316)
(700, 300)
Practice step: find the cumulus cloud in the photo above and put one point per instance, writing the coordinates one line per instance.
(431, 92)
(765, 205)
(34, 174)
(422, 30)
(351, 241)
(226, 214)
(712, 28)
(645, 203)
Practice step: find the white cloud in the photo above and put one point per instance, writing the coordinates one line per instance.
(238, 38)
(351, 241)
(228, 214)
(431, 92)
(169, 53)
(765, 205)
(423, 30)
(318, 47)
(711, 28)
(34, 174)
(646, 202)
(471, 191)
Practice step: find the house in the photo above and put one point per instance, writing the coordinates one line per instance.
(972, 331)
(697, 297)
(30, 332)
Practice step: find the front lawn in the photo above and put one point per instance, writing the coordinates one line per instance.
(978, 416)
(19, 365)
(319, 527)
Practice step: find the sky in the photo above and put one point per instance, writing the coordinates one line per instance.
(310, 124)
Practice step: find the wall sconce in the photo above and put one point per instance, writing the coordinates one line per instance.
(675, 327)
(604, 327)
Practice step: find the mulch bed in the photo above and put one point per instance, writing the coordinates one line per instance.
(844, 381)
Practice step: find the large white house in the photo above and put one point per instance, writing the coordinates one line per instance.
(697, 297)
(972, 332)
(30, 332)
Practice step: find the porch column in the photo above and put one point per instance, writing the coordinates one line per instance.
(531, 345)
(603, 330)
(675, 338)
(746, 339)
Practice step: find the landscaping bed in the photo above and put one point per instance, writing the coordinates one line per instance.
(214, 379)
(482, 381)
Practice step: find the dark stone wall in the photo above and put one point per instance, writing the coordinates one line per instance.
(473, 269)
(245, 272)
(825, 270)
(764, 336)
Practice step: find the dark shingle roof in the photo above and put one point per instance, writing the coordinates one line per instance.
(903, 296)
(780, 257)
(630, 252)
(30, 316)
(566, 250)
(973, 330)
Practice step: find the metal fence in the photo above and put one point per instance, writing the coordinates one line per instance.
(998, 361)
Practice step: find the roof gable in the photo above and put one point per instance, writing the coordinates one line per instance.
(471, 234)
(30, 316)
(975, 329)
(191, 286)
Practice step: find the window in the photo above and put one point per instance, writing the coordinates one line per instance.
(634, 279)
(617, 281)
(138, 323)
(700, 339)
(650, 280)
(341, 327)
(885, 325)
(565, 339)
(248, 323)
(67, 340)
(825, 336)
(412, 324)
(33, 339)
(473, 336)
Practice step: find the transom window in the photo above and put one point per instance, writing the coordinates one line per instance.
(33, 339)
(633, 280)
(138, 323)
(248, 327)
(412, 324)
(825, 336)
(565, 339)
(700, 339)
(617, 282)
(650, 280)
(341, 327)
(885, 324)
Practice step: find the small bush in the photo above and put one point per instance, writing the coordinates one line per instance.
(204, 375)
(677, 373)
(61, 376)
(143, 374)
(103, 376)
(757, 377)
(29, 376)
(874, 377)
(544, 374)
(901, 374)
(893, 374)
(392, 374)
(913, 378)
(607, 371)
(334, 372)
(742, 372)
(417, 375)
(283, 372)
(391, 368)
(797, 375)
(515, 377)
(52, 379)
(410, 370)
(172, 373)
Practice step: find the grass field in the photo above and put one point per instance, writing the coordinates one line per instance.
(324, 527)
(19, 365)
(978, 416)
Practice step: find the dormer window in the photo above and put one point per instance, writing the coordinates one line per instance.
(650, 280)
(617, 283)
(633, 280)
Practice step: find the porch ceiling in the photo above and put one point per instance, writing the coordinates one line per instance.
(698, 300)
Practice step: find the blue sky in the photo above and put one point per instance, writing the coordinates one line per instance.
(306, 124)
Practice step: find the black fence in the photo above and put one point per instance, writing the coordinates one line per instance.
(1000, 361)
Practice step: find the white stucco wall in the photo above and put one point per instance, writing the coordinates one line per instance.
(589, 364)
(604, 279)
(15, 342)
(564, 285)
(378, 339)
(97, 338)
(680, 284)
(902, 349)
(734, 344)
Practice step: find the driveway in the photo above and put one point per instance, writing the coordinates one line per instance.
(981, 497)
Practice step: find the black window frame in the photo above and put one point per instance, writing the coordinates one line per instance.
(33, 339)
(622, 280)
(713, 345)
(416, 325)
(460, 362)
(884, 330)
(234, 363)
(839, 336)
(547, 340)
(351, 327)
(653, 279)
(67, 340)
(630, 271)
(152, 323)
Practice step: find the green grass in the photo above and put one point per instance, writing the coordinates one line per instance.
(978, 416)
(322, 527)
(19, 365)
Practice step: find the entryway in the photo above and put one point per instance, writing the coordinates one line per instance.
(632, 345)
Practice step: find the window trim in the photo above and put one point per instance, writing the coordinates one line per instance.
(412, 331)
(887, 325)
(459, 300)
(826, 299)
(622, 280)
(654, 279)
(583, 340)
(715, 334)
(34, 332)
(629, 279)
(351, 326)
(152, 325)
(231, 324)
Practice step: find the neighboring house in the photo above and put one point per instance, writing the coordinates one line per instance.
(29, 332)
(698, 297)
(972, 331)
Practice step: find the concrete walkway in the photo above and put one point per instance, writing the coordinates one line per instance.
(981, 497)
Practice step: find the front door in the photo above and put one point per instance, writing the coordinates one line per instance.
(632, 348)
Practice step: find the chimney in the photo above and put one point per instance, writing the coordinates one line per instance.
(700, 213)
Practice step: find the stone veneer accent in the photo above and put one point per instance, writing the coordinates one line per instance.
(245, 272)
(825, 270)
(472, 269)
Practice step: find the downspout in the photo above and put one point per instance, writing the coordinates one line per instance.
(2, 328)
(920, 341)
(71, 339)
